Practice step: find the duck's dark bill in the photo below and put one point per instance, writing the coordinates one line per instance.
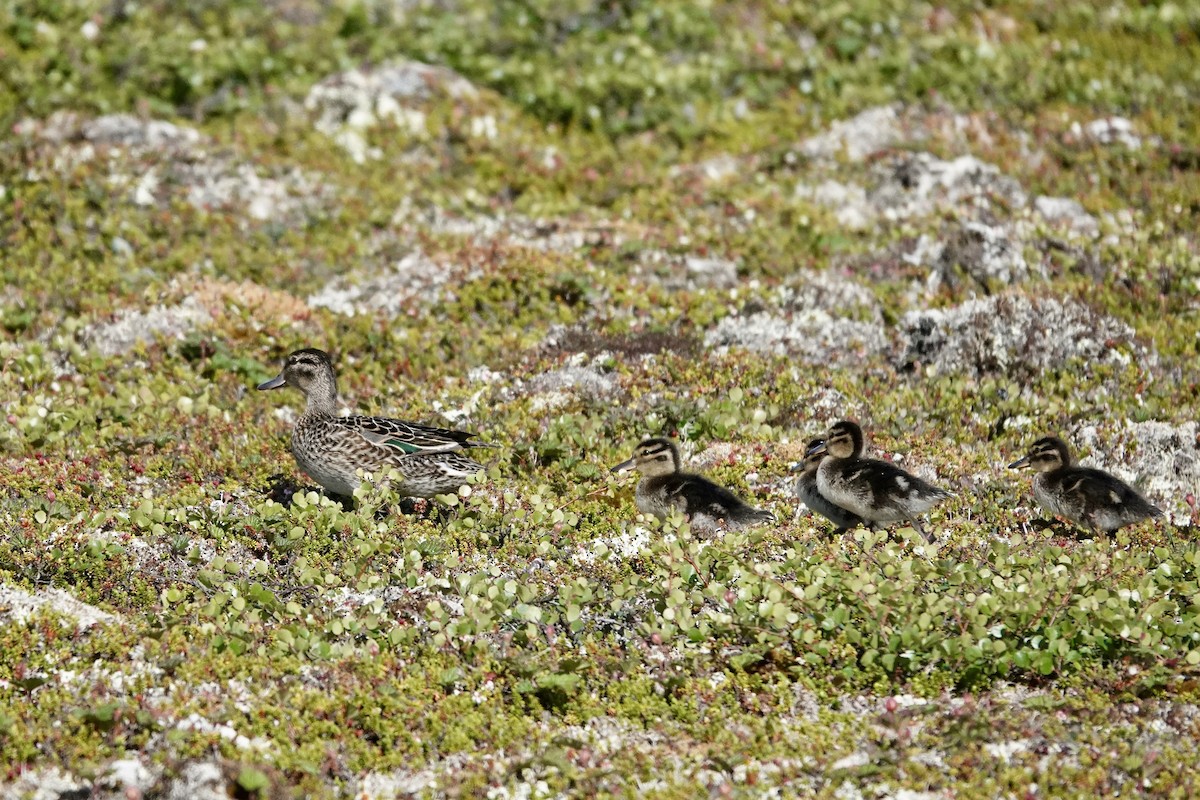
(1020, 462)
(623, 465)
(817, 447)
(274, 383)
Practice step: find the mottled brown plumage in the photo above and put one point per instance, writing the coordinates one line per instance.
(331, 449)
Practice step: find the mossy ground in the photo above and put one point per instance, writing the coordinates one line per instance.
(530, 637)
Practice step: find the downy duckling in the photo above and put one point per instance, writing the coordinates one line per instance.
(876, 491)
(665, 487)
(1083, 495)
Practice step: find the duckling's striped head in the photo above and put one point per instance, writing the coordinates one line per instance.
(1046, 454)
(814, 454)
(311, 371)
(653, 457)
(844, 440)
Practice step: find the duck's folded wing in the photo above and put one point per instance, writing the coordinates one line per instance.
(697, 495)
(890, 486)
(406, 437)
(453, 465)
(1094, 490)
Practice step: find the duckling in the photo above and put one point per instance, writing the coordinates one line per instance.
(806, 490)
(664, 487)
(331, 449)
(876, 491)
(1083, 495)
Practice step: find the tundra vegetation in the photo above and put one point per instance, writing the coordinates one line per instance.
(570, 226)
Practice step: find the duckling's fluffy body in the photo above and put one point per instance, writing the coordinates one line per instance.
(665, 487)
(876, 491)
(1083, 495)
(332, 449)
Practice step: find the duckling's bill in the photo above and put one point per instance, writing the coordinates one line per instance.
(1020, 463)
(624, 465)
(817, 447)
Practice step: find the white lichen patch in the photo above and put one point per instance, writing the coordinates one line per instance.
(44, 784)
(133, 327)
(1011, 331)
(812, 336)
(1066, 214)
(414, 279)
(1006, 751)
(1108, 131)
(623, 546)
(19, 605)
(155, 162)
(199, 780)
(397, 93)
(869, 132)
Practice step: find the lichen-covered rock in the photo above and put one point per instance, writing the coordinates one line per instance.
(582, 377)
(813, 336)
(154, 162)
(1015, 334)
(914, 185)
(986, 257)
(550, 235)
(689, 271)
(821, 318)
(918, 184)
